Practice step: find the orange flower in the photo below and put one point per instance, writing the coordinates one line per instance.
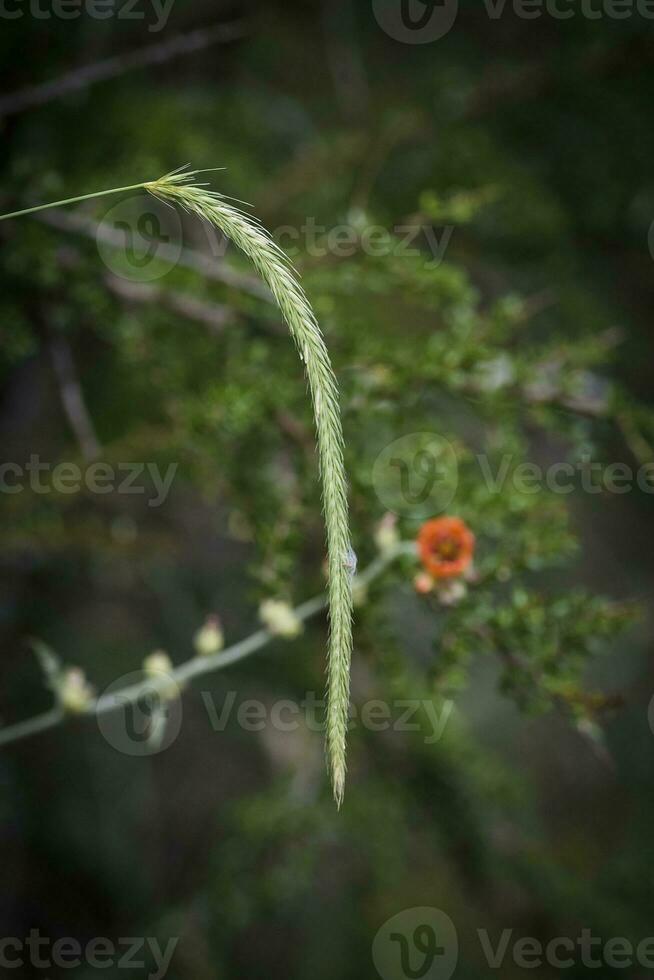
(446, 546)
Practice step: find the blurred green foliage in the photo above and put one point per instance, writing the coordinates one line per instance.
(528, 340)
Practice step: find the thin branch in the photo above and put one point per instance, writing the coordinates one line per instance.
(635, 440)
(32, 726)
(72, 398)
(344, 58)
(505, 85)
(154, 54)
(214, 316)
(197, 666)
(206, 265)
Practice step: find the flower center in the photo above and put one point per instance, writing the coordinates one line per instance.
(448, 549)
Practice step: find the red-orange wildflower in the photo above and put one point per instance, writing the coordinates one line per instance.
(446, 546)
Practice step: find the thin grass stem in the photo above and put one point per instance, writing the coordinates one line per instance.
(179, 187)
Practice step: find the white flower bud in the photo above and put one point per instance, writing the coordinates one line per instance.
(452, 592)
(74, 692)
(158, 663)
(386, 536)
(278, 616)
(497, 373)
(423, 583)
(159, 668)
(209, 639)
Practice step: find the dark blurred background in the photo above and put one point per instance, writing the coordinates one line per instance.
(228, 839)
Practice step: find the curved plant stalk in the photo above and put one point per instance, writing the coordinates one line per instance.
(179, 188)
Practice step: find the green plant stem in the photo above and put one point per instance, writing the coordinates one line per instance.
(197, 666)
(71, 200)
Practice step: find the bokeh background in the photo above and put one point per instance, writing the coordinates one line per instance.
(530, 139)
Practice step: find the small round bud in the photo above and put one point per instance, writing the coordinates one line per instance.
(279, 617)
(423, 583)
(386, 535)
(158, 663)
(158, 667)
(209, 639)
(452, 592)
(74, 692)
